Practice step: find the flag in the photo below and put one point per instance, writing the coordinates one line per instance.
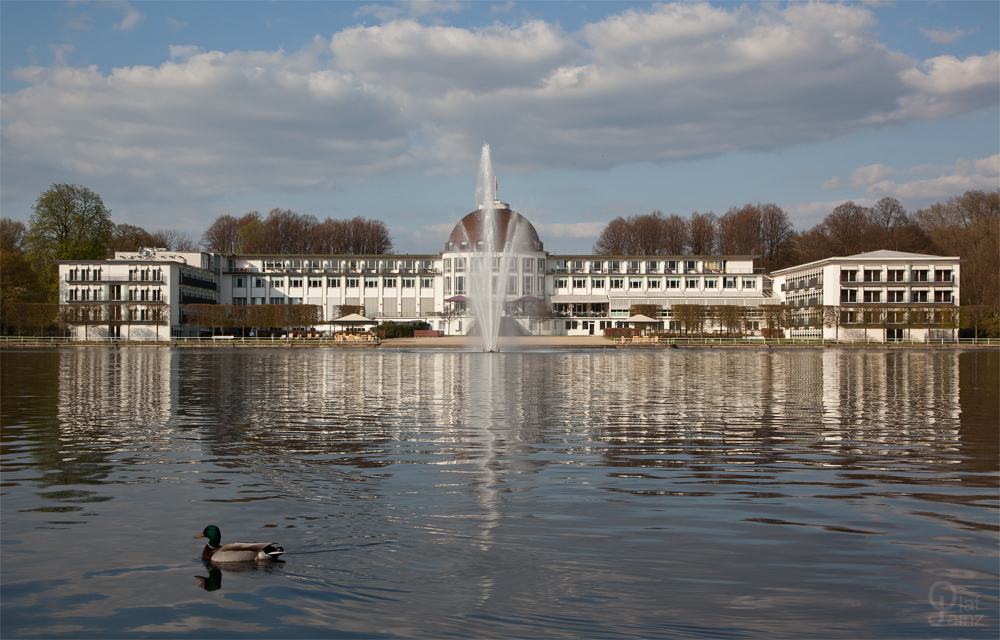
(496, 186)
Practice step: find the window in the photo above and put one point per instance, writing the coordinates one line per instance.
(690, 283)
(541, 265)
(238, 281)
(333, 283)
(526, 286)
(256, 300)
(278, 283)
(617, 283)
(371, 283)
(895, 275)
(654, 283)
(673, 283)
(73, 295)
(460, 263)
(919, 275)
(559, 283)
(615, 266)
(633, 266)
(894, 296)
(918, 296)
(848, 276)
(635, 283)
(459, 284)
(447, 264)
(690, 266)
(512, 285)
(711, 283)
(447, 285)
(939, 296)
(579, 283)
(873, 296)
(873, 276)
(352, 283)
(427, 283)
(239, 301)
(652, 266)
(671, 266)
(729, 282)
(577, 266)
(943, 275)
(597, 266)
(295, 301)
(749, 283)
(389, 283)
(527, 265)
(315, 283)
(848, 295)
(294, 282)
(409, 283)
(258, 282)
(156, 294)
(597, 283)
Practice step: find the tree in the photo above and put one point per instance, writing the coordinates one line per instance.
(701, 233)
(969, 226)
(738, 231)
(775, 237)
(128, 237)
(845, 228)
(173, 240)
(68, 222)
(18, 280)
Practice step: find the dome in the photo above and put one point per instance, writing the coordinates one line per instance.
(511, 226)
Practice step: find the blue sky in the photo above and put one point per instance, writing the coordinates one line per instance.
(178, 112)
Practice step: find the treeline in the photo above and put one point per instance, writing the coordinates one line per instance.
(70, 222)
(967, 226)
(286, 232)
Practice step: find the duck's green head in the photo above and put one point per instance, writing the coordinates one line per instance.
(212, 533)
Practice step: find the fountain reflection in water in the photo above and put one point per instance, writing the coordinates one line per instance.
(493, 255)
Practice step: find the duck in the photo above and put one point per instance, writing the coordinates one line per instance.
(236, 551)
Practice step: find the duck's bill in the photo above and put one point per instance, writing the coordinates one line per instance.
(200, 535)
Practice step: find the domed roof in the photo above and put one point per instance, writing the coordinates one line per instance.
(510, 226)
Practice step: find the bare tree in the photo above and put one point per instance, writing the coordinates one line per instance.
(701, 233)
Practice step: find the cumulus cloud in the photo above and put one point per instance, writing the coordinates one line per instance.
(946, 36)
(864, 176)
(651, 84)
(965, 175)
(131, 19)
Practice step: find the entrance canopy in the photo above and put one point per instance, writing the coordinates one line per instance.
(353, 319)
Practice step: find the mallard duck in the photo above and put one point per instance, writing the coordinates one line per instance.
(236, 551)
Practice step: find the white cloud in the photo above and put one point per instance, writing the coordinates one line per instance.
(832, 184)
(131, 19)
(651, 84)
(946, 36)
(982, 173)
(864, 176)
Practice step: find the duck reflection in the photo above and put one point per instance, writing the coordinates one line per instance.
(213, 581)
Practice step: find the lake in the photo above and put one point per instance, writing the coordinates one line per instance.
(688, 493)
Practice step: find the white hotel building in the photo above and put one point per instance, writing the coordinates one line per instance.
(144, 295)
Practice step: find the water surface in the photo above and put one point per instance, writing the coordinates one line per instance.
(681, 493)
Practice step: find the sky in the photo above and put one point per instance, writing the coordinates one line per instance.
(178, 112)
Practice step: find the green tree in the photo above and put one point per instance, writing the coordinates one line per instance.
(18, 281)
(68, 222)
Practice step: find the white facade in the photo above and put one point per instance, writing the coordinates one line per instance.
(138, 295)
(878, 296)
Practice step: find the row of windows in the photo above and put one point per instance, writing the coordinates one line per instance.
(347, 266)
(527, 285)
(894, 296)
(894, 275)
(639, 266)
(527, 265)
(76, 294)
(727, 282)
(370, 282)
(84, 274)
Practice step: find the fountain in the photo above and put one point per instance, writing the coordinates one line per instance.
(493, 254)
